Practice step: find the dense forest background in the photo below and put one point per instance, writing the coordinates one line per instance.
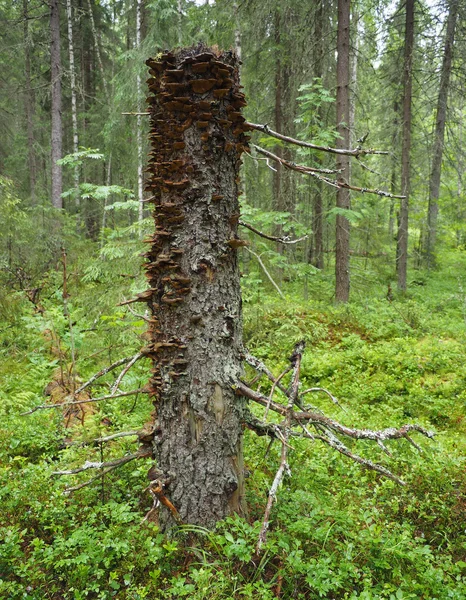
(74, 217)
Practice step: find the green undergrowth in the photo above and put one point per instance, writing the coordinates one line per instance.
(337, 531)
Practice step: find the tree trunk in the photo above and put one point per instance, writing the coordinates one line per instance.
(139, 118)
(342, 248)
(284, 184)
(317, 248)
(29, 103)
(194, 297)
(434, 184)
(55, 61)
(97, 49)
(74, 109)
(402, 241)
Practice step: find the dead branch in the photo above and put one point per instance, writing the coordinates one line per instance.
(357, 152)
(133, 312)
(295, 361)
(130, 457)
(324, 391)
(74, 402)
(116, 385)
(272, 238)
(303, 169)
(104, 371)
(264, 268)
(99, 465)
(327, 429)
(339, 184)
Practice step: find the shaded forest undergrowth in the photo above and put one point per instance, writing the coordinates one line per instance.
(337, 531)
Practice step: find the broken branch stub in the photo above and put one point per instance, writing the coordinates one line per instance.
(197, 135)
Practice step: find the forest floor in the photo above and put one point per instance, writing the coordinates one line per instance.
(337, 531)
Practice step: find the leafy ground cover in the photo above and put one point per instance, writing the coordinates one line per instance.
(337, 531)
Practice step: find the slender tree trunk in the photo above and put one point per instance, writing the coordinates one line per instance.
(237, 33)
(402, 241)
(393, 166)
(55, 59)
(97, 49)
(342, 256)
(74, 109)
(180, 21)
(317, 256)
(284, 184)
(139, 118)
(29, 103)
(434, 183)
(193, 275)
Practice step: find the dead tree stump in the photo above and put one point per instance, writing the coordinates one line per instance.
(197, 137)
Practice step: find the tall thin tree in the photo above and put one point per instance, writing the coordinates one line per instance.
(434, 183)
(342, 248)
(56, 72)
(402, 240)
(74, 110)
(29, 102)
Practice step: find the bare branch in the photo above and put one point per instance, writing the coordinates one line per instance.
(305, 170)
(135, 358)
(323, 390)
(99, 465)
(75, 402)
(274, 385)
(133, 312)
(280, 240)
(283, 468)
(103, 372)
(115, 436)
(264, 268)
(358, 151)
(259, 366)
(103, 473)
(339, 184)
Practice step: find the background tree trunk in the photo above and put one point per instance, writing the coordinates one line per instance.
(139, 118)
(434, 184)
(342, 247)
(194, 295)
(317, 244)
(74, 109)
(29, 103)
(402, 241)
(55, 61)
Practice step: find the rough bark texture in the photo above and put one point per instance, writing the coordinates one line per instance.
(197, 136)
(434, 184)
(55, 62)
(342, 244)
(402, 240)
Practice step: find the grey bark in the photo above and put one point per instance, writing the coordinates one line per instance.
(56, 72)
(97, 49)
(402, 240)
(29, 103)
(284, 184)
(317, 247)
(342, 245)
(194, 295)
(74, 109)
(434, 183)
(139, 118)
